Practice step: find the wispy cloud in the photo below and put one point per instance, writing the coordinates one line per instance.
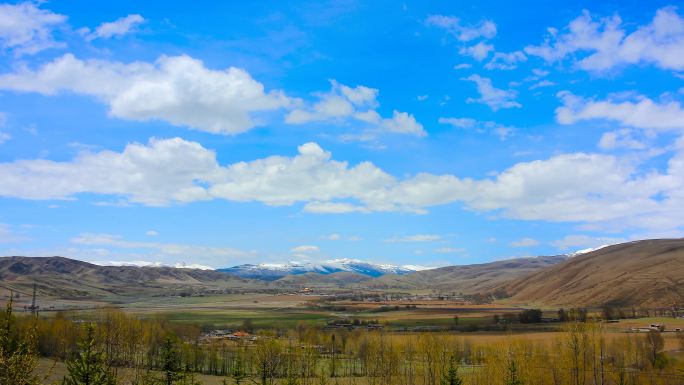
(525, 242)
(116, 28)
(495, 98)
(9, 235)
(25, 29)
(461, 31)
(414, 238)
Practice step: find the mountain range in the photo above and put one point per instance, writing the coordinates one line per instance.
(274, 271)
(640, 273)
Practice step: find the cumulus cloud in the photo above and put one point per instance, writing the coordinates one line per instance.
(343, 103)
(26, 29)
(495, 98)
(603, 44)
(576, 187)
(162, 171)
(484, 29)
(641, 113)
(176, 89)
(116, 28)
(525, 242)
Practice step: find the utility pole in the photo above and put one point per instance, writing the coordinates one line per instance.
(33, 301)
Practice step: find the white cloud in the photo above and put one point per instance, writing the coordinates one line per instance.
(176, 89)
(338, 237)
(343, 103)
(542, 84)
(25, 29)
(604, 44)
(585, 241)
(151, 233)
(116, 28)
(494, 97)
(462, 66)
(334, 208)
(525, 242)
(414, 238)
(622, 138)
(158, 173)
(449, 250)
(403, 123)
(459, 122)
(502, 131)
(305, 249)
(540, 73)
(174, 253)
(484, 29)
(599, 189)
(3, 135)
(479, 51)
(505, 61)
(642, 113)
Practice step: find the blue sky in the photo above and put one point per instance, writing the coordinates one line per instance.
(423, 133)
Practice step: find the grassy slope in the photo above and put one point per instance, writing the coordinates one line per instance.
(642, 273)
(467, 279)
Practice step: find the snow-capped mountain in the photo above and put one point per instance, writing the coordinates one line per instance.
(584, 251)
(273, 271)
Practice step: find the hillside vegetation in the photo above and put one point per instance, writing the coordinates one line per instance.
(641, 273)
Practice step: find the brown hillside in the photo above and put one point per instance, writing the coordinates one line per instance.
(641, 273)
(466, 279)
(68, 278)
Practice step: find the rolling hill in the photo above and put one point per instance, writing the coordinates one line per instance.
(466, 279)
(640, 273)
(68, 278)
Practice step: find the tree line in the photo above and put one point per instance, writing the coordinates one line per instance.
(113, 347)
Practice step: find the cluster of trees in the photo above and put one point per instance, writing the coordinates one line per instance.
(112, 347)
